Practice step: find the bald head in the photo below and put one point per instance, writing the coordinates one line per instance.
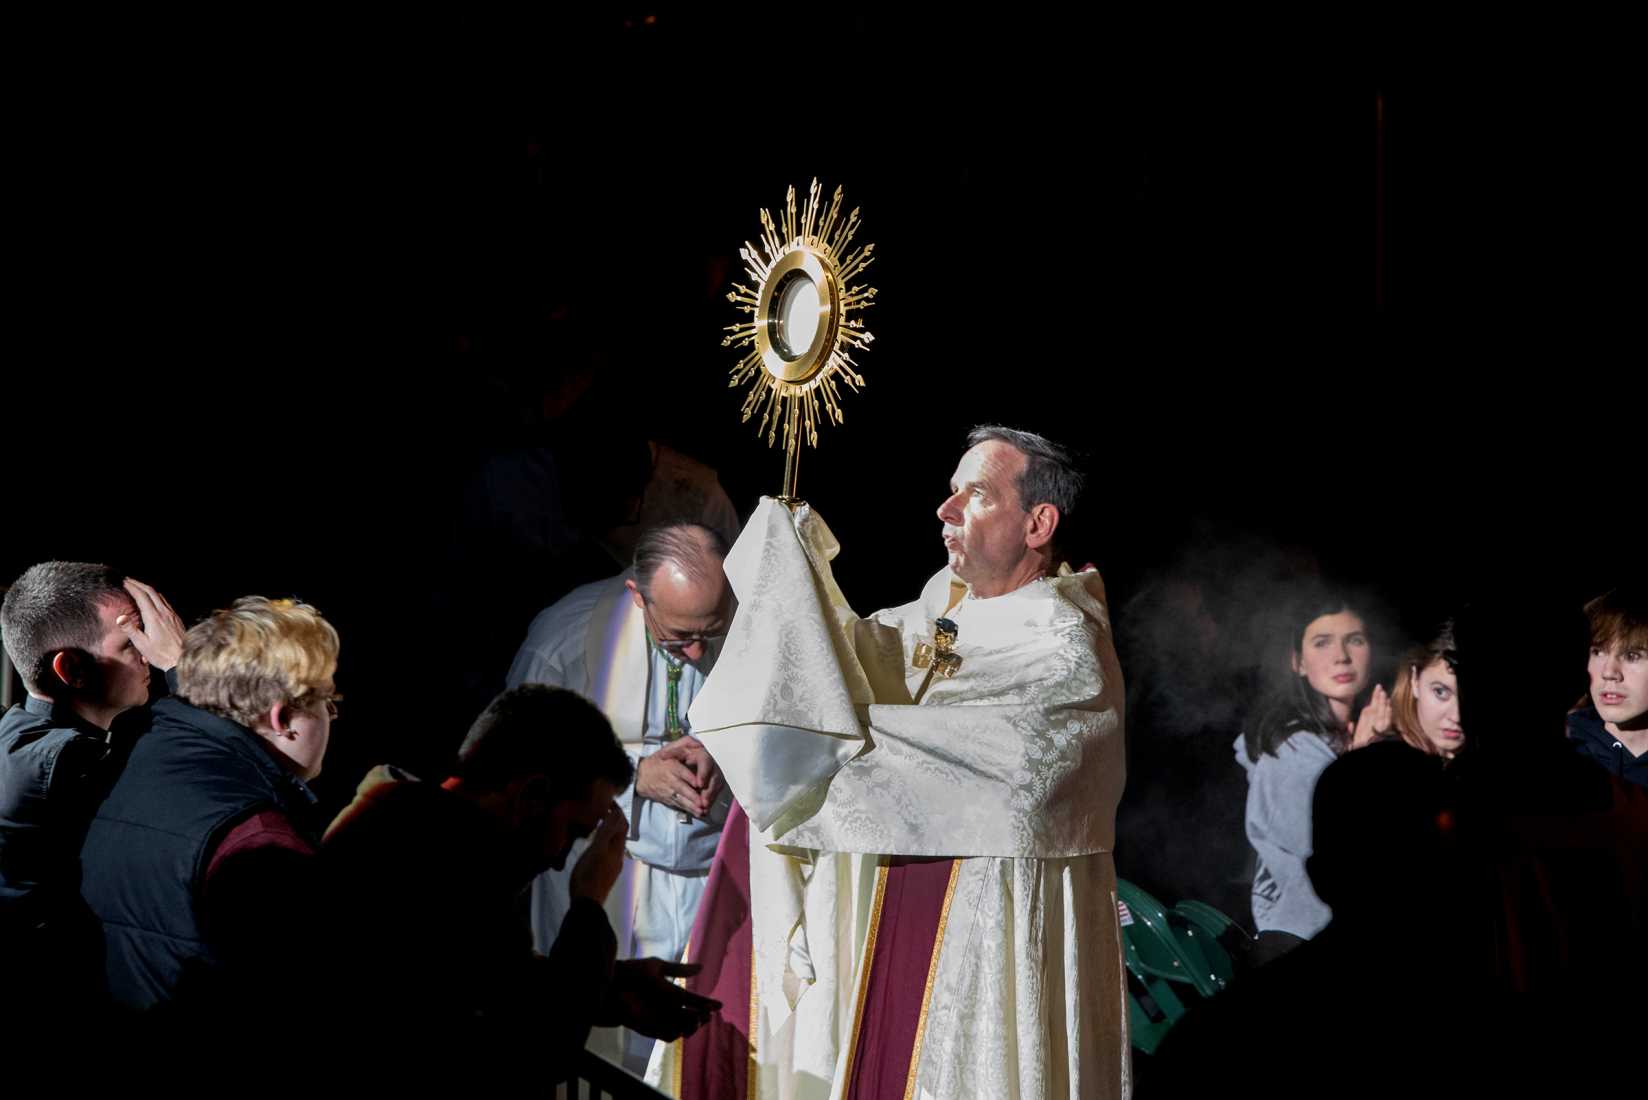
(680, 584)
(684, 555)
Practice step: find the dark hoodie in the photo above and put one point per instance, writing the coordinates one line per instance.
(1591, 737)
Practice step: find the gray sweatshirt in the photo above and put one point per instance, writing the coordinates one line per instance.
(1279, 790)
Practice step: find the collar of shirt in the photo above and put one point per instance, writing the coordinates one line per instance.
(62, 715)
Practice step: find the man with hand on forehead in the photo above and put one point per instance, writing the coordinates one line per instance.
(639, 646)
(83, 639)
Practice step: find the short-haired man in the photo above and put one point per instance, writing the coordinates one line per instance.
(422, 881)
(931, 794)
(640, 645)
(1612, 728)
(83, 638)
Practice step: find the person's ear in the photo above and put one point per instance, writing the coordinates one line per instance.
(1294, 659)
(635, 593)
(1040, 523)
(69, 667)
(280, 720)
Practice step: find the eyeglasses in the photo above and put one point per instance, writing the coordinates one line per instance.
(331, 702)
(677, 647)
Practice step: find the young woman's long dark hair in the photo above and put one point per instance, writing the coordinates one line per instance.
(1296, 707)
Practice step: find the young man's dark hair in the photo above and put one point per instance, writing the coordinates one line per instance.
(51, 607)
(1619, 617)
(536, 729)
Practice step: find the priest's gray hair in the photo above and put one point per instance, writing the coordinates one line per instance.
(694, 549)
(1051, 475)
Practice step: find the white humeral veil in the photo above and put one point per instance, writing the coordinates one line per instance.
(1015, 763)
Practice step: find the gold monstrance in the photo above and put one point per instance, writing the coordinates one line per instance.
(800, 336)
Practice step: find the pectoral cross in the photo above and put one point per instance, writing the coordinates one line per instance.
(939, 654)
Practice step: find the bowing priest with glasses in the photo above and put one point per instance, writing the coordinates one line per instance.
(640, 646)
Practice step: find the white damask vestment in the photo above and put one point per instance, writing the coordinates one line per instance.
(843, 754)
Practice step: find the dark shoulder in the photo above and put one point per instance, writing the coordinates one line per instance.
(22, 732)
(176, 714)
(1585, 724)
(37, 745)
(401, 807)
(187, 735)
(400, 837)
(210, 766)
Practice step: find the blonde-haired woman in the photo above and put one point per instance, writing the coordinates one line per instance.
(1425, 699)
(198, 863)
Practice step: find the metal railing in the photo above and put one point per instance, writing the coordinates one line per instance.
(595, 1078)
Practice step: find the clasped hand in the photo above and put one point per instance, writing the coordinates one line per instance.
(681, 775)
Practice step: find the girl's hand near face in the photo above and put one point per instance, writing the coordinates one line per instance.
(1374, 721)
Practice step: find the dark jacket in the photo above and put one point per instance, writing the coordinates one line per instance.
(1591, 737)
(192, 776)
(427, 929)
(49, 764)
(53, 768)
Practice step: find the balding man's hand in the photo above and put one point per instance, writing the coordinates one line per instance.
(698, 758)
(680, 775)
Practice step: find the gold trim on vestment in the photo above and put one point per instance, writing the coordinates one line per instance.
(932, 973)
(869, 959)
(752, 1076)
(681, 1043)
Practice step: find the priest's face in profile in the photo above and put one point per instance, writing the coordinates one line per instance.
(986, 528)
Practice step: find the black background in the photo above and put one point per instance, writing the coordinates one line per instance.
(274, 298)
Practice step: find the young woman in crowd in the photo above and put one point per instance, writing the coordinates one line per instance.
(1325, 708)
(1425, 699)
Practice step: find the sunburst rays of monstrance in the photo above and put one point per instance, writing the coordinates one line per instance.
(801, 334)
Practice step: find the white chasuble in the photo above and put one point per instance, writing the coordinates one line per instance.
(842, 753)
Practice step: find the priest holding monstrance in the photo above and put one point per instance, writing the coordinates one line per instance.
(917, 898)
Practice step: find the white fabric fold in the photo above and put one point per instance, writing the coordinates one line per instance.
(788, 716)
(1020, 754)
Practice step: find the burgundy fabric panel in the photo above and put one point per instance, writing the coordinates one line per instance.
(715, 1060)
(911, 904)
(267, 829)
